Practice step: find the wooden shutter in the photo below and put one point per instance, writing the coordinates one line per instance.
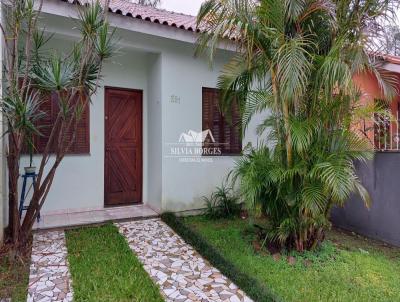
(45, 124)
(235, 143)
(211, 117)
(51, 108)
(226, 134)
(81, 144)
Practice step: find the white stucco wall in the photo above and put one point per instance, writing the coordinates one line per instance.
(165, 69)
(154, 124)
(79, 181)
(184, 183)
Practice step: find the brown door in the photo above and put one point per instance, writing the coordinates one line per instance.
(123, 146)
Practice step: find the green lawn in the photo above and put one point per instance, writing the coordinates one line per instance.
(346, 268)
(104, 268)
(14, 278)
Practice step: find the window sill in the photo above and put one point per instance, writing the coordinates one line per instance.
(67, 154)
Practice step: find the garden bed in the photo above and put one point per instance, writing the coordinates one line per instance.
(347, 267)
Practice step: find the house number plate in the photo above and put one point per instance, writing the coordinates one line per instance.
(174, 99)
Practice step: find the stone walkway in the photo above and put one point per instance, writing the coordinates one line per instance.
(49, 278)
(182, 274)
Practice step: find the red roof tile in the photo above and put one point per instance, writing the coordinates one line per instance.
(391, 59)
(148, 13)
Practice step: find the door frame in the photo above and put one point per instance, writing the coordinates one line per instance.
(141, 149)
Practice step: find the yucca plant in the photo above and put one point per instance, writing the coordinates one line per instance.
(296, 60)
(31, 74)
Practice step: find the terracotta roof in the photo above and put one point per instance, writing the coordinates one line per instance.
(148, 13)
(391, 59)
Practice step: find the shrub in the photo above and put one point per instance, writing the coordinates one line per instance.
(223, 203)
(297, 200)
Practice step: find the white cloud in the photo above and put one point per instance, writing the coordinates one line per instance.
(398, 17)
(190, 7)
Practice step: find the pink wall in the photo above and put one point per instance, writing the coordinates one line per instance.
(370, 89)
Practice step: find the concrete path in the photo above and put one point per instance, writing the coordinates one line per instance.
(92, 216)
(182, 274)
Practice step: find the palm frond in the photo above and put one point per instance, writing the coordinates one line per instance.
(294, 67)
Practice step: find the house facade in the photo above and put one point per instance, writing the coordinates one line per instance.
(153, 134)
(130, 147)
(382, 131)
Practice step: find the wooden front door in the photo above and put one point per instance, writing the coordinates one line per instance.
(123, 146)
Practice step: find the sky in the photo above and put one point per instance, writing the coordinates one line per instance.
(190, 7)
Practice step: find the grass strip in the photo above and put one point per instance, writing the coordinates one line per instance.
(252, 287)
(345, 267)
(104, 268)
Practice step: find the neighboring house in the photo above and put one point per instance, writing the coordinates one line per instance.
(383, 130)
(129, 147)
(381, 175)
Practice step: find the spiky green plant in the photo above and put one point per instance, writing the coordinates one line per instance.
(296, 60)
(31, 74)
(223, 203)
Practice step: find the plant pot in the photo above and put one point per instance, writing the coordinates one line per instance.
(30, 170)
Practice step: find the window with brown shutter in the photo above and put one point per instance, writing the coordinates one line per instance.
(82, 139)
(226, 132)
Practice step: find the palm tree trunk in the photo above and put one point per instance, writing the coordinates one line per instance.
(275, 90)
(288, 137)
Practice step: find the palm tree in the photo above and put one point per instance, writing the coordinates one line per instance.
(296, 59)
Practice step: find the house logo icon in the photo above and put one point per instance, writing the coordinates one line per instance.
(191, 147)
(196, 137)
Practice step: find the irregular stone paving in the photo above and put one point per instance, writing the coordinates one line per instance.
(49, 278)
(182, 274)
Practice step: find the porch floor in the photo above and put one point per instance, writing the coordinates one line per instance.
(65, 220)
